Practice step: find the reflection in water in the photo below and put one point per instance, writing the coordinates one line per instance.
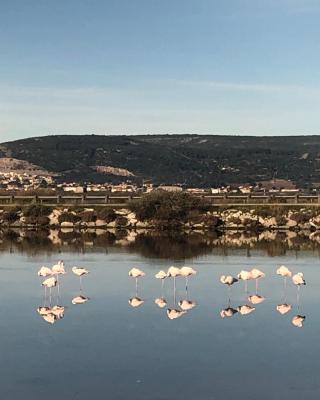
(284, 308)
(161, 302)
(256, 299)
(245, 309)
(228, 312)
(298, 321)
(187, 305)
(174, 313)
(80, 299)
(135, 302)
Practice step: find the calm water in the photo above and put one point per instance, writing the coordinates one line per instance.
(107, 349)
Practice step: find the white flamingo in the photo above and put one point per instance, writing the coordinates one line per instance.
(80, 272)
(298, 279)
(45, 271)
(256, 274)
(228, 280)
(136, 273)
(161, 275)
(49, 283)
(174, 272)
(245, 276)
(285, 273)
(186, 272)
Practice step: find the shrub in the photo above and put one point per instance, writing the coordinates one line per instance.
(107, 214)
(36, 211)
(40, 220)
(300, 218)
(121, 221)
(167, 208)
(10, 216)
(88, 216)
(68, 217)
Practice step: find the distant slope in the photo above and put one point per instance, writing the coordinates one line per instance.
(195, 160)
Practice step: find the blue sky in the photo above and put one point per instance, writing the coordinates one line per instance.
(159, 66)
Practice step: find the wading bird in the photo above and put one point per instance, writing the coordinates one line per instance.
(161, 275)
(174, 272)
(49, 283)
(245, 276)
(45, 271)
(256, 274)
(285, 273)
(80, 272)
(136, 273)
(186, 272)
(298, 279)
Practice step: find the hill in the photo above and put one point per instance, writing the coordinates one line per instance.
(195, 160)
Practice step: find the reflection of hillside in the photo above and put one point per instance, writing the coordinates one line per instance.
(155, 244)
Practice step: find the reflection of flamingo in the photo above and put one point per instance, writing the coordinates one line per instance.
(186, 272)
(80, 272)
(257, 274)
(284, 308)
(136, 273)
(160, 302)
(187, 305)
(245, 276)
(135, 302)
(245, 309)
(80, 299)
(228, 312)
(256, 299)
(298, 320)
(173, 313)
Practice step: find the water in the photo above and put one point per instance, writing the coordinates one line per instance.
(106, 349)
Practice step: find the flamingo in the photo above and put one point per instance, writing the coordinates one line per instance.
(45, 271)
(174, 272)
(245, 276)
(257, 274)
(245, 309)
(298, 279)
(186, 272)
(136, 273)
(284, 308)
(228, 280)
(80, 272)
(298, 320)
(173, 313)
(228, 312)
(49, 283)
(58, 269)
(285, 273)
(161, 275)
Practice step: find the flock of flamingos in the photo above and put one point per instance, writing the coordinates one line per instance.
(228, 280)
(52, 313)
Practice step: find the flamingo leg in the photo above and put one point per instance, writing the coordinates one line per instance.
(246, 286)
(186, 283)
(80, 283)
(256, 286)
(136, 287)
(174, 290)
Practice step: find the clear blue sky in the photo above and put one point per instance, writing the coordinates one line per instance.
(159, 66)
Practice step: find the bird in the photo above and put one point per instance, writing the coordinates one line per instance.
(80, 272)
(298, 279)
(136, 273)
(186, 272)
(245, 276)
(187, 305)
(161, 275)
(284, 308)
(49, 282)
(135, 302)
(80, 299)
(284, 272)
(45, 271)
(245, 309)
(256, 299)
(174, 272)
(228, 280)
(257, 274)
(228, 312)
(160, 302)
(58, 269)
(298, 320)
(173, 313)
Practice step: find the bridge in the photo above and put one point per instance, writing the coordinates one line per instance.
(120, 200)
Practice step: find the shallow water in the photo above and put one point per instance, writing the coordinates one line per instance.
(106, 349)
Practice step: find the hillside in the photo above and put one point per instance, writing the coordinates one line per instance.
(195, 160)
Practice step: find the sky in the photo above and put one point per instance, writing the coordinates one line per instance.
(159, 66)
